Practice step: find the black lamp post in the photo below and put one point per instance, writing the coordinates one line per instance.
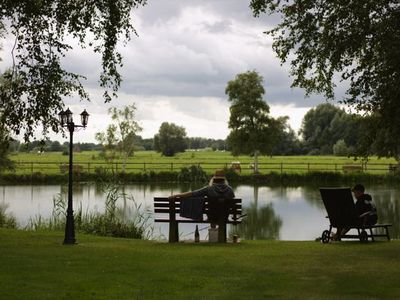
(67, 121)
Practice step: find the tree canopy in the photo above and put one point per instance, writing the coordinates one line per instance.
(170, 139)
(5, 162)
(355, 41)
(121, 134)
(32, 90)
(323, 126)
(252, 128)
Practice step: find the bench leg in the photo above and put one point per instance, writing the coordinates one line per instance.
(222, 232)
(372, 235)
(173, 232)
(387, 233)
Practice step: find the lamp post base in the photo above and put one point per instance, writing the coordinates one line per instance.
(69, 238)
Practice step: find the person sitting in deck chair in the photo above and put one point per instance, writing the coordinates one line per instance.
(218, 188)
(365, 207)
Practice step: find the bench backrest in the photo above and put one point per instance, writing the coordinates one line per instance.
(340, 207)
(163, 205)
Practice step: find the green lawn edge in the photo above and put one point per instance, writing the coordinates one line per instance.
(35, 265)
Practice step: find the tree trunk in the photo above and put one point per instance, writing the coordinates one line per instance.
(255, 195)
(124, 162)
(256, 161)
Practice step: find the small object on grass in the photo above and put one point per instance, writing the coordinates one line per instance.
(196, 235)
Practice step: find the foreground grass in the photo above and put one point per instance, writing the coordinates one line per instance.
(37, 266)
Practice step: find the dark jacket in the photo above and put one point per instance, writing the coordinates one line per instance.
(364, 204)
(366, 210)
(219, 190)
(222, 194)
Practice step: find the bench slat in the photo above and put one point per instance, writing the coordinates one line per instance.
(177, 205)
(177, 200)
(165, 210)
(194, 221)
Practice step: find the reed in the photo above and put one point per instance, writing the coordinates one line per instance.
(112, 222)
(6, 220)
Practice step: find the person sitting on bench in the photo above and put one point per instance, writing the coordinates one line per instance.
(218, 188)
(366, 209)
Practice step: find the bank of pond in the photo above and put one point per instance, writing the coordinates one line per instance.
(275, 212)
(195, 175)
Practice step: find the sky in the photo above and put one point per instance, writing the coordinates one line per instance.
(177, 69)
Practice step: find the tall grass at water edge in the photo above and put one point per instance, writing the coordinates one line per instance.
(112, 222)
(6, 220)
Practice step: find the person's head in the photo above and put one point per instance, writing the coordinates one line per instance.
(218, 178)
(358, 190)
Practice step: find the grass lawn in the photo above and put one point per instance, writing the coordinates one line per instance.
(35, 265)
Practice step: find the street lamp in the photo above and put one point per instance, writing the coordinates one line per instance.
(67, 121)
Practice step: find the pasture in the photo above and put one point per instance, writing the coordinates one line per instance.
(144, 161)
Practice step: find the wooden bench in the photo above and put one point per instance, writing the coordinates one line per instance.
(352, 169)
(168, 211)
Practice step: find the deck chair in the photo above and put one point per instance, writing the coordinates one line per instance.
(342, 213)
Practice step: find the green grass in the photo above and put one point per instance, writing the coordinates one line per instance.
(35, 265)
(142, 161)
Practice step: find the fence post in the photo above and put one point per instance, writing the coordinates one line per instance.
(308, 167)
(88, 167)
(144, 167)
(281, 168)
(31, 168)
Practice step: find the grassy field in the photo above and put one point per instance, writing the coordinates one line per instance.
(35, 265)
(142, 161)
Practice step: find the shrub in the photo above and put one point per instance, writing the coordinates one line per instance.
(340, 148)
(194, 173)
(231, 175)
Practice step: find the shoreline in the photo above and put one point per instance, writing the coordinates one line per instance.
(273, 179)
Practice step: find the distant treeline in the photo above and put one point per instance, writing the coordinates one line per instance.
(289, 146)
(326, 130)
(141, 145)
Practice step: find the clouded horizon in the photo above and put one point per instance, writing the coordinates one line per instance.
(177, 69)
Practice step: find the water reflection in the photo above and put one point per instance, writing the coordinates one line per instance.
(259, 223)
(388, 206)
(286, 213)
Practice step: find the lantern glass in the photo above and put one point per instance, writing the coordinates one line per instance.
(84, 118)
(68, 116)
(61, 118)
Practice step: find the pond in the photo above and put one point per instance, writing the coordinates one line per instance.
(284, 213)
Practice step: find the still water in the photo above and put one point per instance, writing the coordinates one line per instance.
(284, 213)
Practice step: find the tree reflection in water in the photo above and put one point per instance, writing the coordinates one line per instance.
(388, 207)
(259, 223)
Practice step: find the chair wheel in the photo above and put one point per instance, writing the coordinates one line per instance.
(325, 236)
(363, 237)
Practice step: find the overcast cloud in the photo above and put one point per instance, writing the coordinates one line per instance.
(178, 68)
